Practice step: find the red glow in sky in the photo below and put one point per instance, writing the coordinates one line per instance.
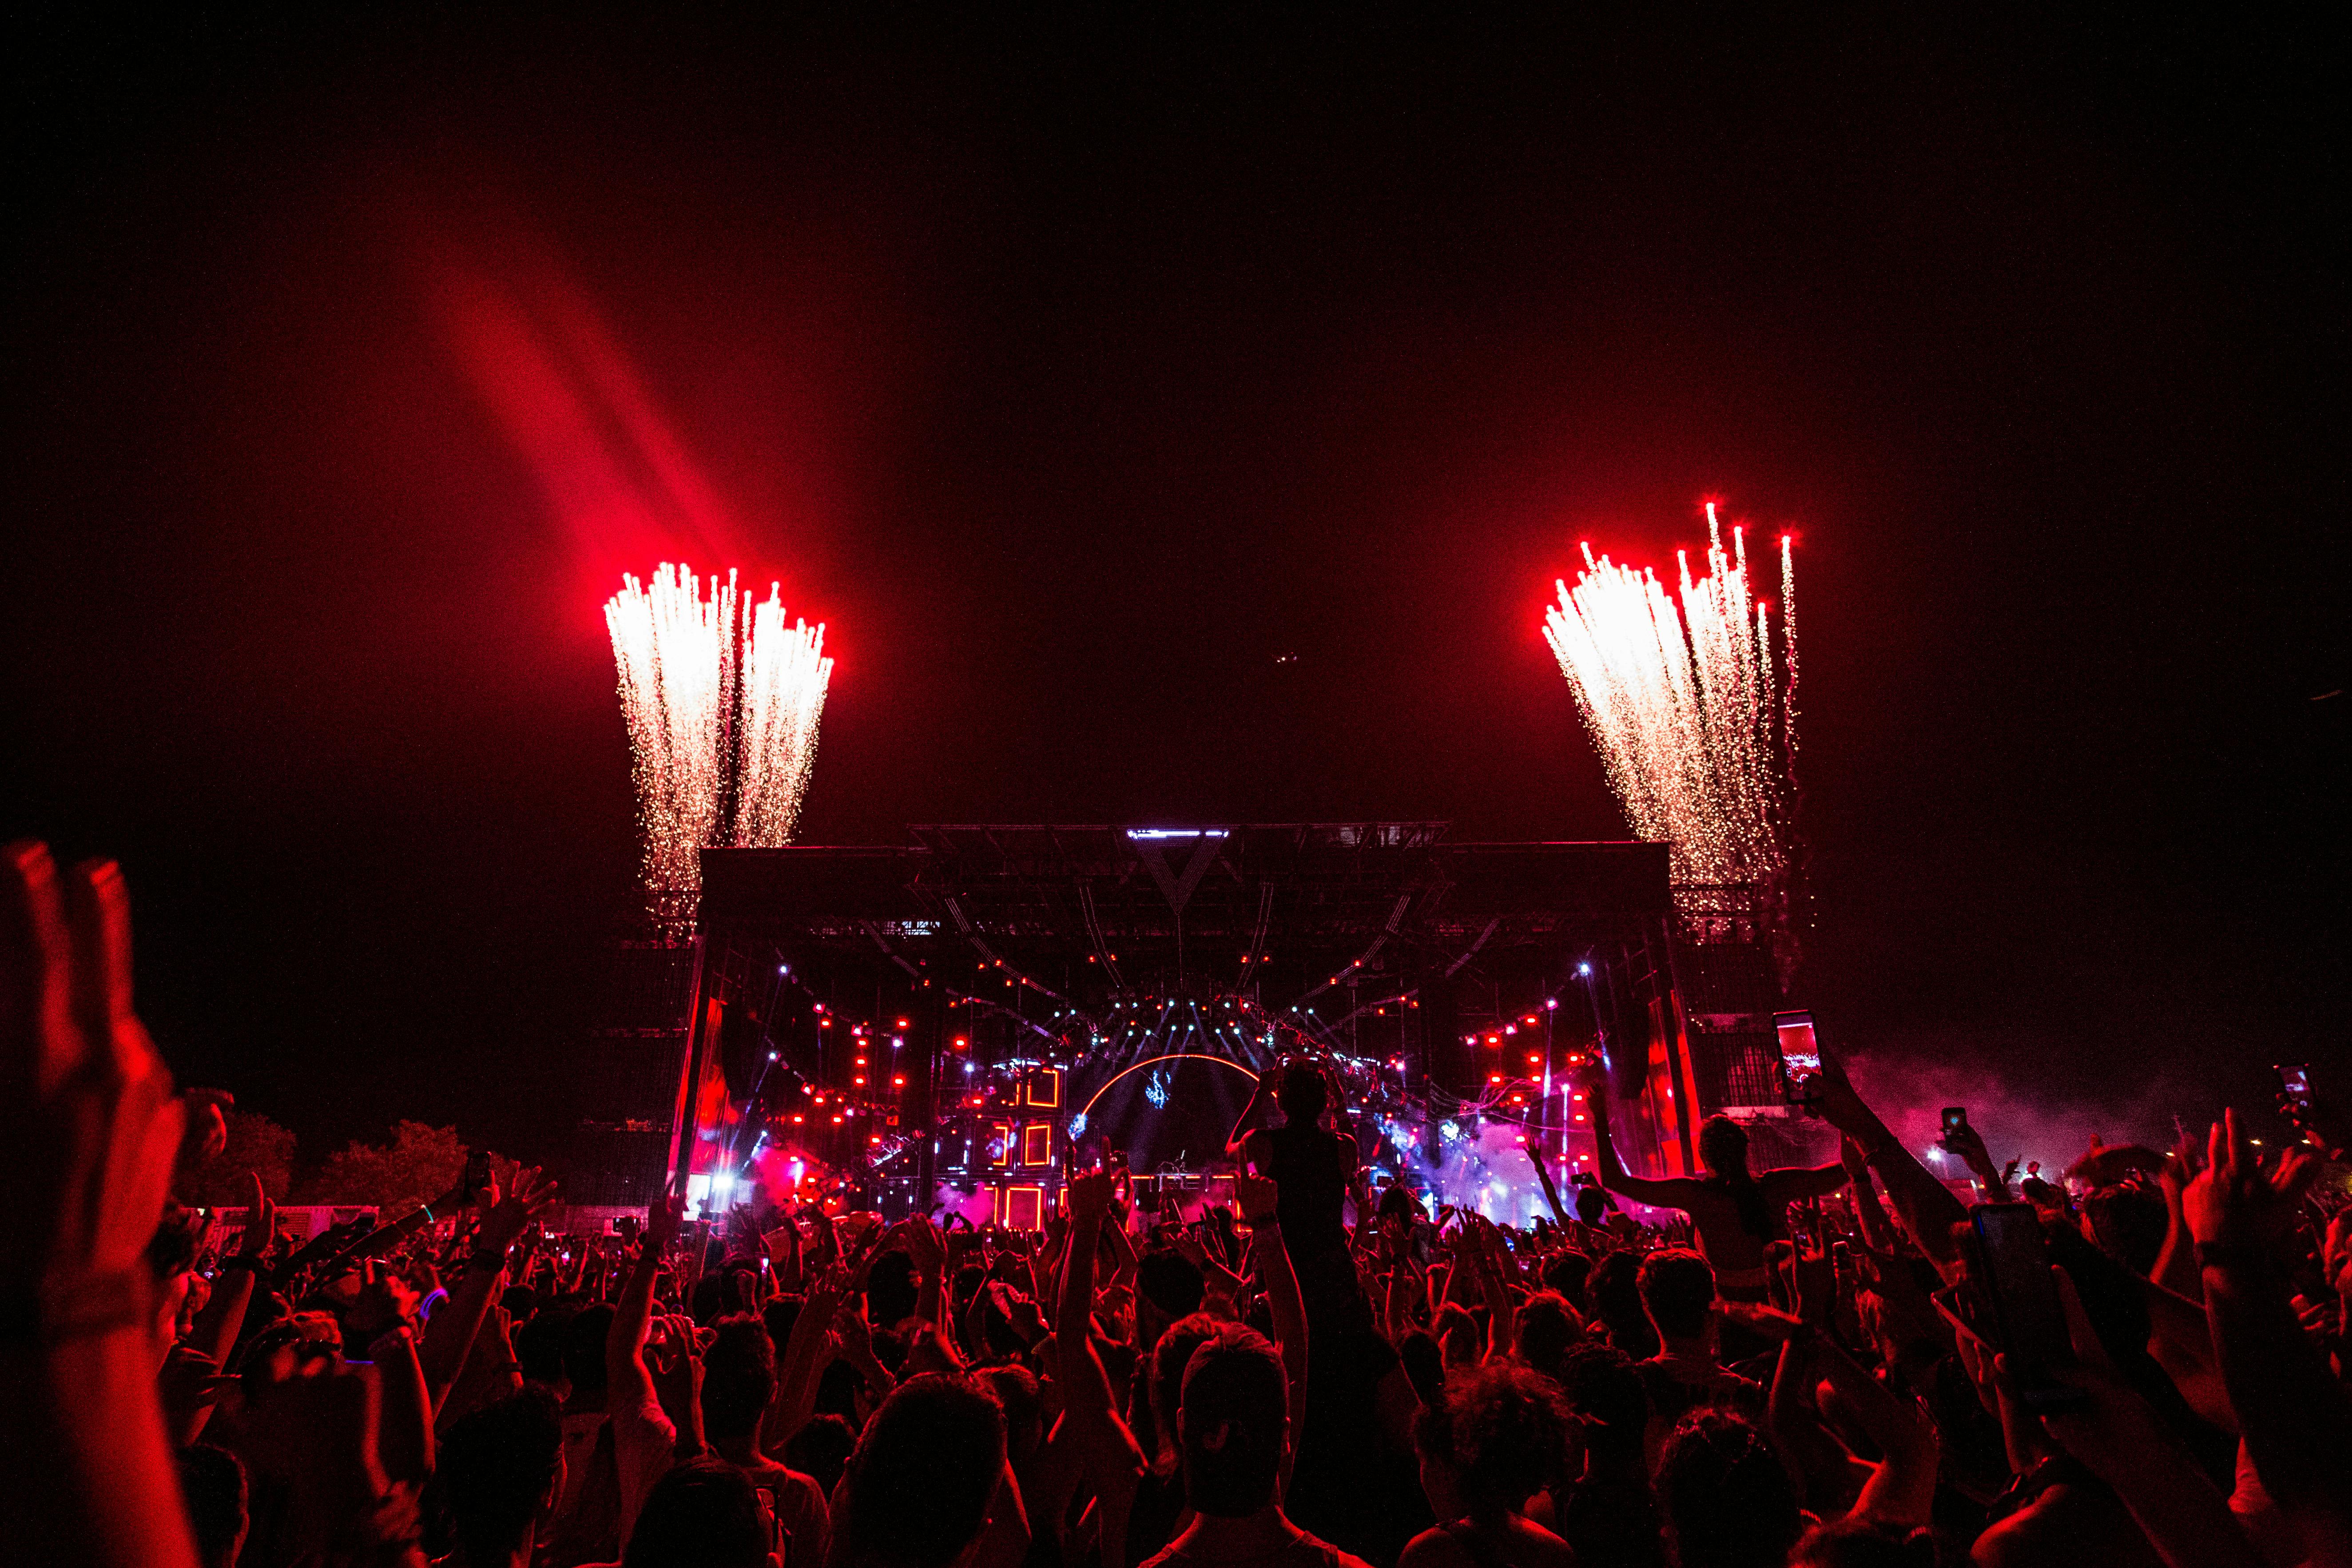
(571, 399)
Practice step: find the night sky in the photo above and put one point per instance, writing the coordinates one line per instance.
(1075, 376)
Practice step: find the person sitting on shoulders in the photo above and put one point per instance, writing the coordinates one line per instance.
(1736, 1213)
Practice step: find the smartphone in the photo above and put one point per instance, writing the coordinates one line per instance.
(2027, 1321)
(2294, 1082)
(1801, 1058)
(1956, 1117)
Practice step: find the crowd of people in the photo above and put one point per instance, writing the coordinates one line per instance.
(1846, 1365)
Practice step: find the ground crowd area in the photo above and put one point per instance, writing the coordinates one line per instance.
(2143, 1361)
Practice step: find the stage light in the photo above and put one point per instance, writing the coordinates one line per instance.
(1935, 1154)
(771, 1056)
(1581, 969)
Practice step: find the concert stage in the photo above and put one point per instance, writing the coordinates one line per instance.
(945, 1018)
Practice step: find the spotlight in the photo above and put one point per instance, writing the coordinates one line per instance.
(1581, 969)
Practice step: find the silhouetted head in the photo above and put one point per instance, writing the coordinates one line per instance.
(1500, 1434)
(501, 1470)
(1723, 1147)
(1169, 1357)
(739, 1377)
(704, 1513)
(1677, 1291)
(1234, 1423)
(1545, 1328)
(917, 1489)
(1301, 1094)
(1727, 1497)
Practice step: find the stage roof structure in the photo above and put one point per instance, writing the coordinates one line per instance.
(1286, 909)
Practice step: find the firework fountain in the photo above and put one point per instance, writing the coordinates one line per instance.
(722, 702)
(1694, 710)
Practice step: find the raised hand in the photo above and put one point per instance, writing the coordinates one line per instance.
(1090, 1197)
(1257, 1196)
(662, 1222)
(526, 1194)
(2233, 1201)
(923, 1245)
(95, 1104)
(1839, 1106)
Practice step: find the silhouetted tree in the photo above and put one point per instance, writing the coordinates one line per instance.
(419, 1164)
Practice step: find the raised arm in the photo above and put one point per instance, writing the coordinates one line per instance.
(1090, 1425)
(1253, 1118)
(449, 1337)
(214, 1331)
(626, 1376)
(1902, 1489)
(1550, 1193)
(1085, 1387)
(1877, 1233)
(1673, 1192)
(2295, 1418)
(1796, 1184)
(2116, 1434)
(1927, 1207)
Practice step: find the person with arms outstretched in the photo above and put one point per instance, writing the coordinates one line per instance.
(1735, 1211)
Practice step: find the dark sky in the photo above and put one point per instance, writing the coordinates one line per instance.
(1072, 375)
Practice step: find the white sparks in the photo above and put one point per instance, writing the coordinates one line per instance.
(1694, 724)
(722, 704)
